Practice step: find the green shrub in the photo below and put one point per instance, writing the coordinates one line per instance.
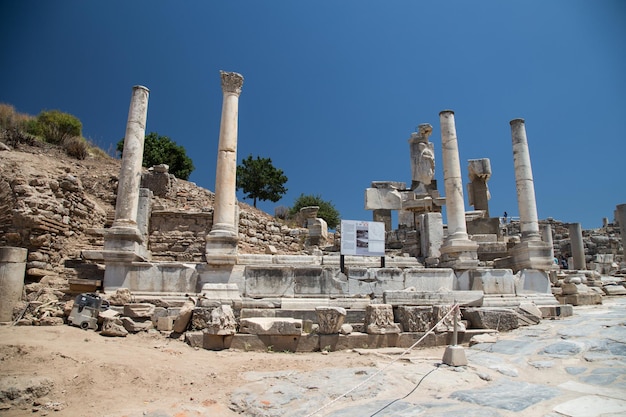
(55, 126)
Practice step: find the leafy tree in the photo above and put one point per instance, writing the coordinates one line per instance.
(260, 180)
(327, 210)
(55, 126)
(162, 150)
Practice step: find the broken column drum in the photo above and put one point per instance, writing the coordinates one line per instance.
(479, 173)
(12, 269)
(620, 216)
(577, 245)
(225, 206)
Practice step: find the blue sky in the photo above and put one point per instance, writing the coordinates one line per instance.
(333, 90)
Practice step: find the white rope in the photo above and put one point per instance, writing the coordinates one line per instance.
(453, 309)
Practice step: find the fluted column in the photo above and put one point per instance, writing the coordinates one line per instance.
(529, 224)
(130, 174)
(457, 251)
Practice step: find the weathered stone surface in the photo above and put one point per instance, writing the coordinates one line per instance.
(430, 298)
(165, 324)
(122, 296)
(271, 326)
(222, 322)
(195, 339)
(507, 395)
(447, 325)
(330, 319)
(184, 316)
(200, 318)
(113, 327)
(135, 326)
(500, 319)
(139, 310)
(379, 319)
(414, 318)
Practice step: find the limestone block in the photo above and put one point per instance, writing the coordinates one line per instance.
(139, 310)
(222, 322)
(568, 288)
(429, 279)
(184, 316)
(269, 281)
(382, 198)
(135, 326)
(122, 296)
(447, 325)
(200, 317)
(195, 339)
(271, 326)
(430, 298)
(492, 281)
(379, 319)
(216, 342)
(319, 281)
(165, 324)
(491, 318)
(556, 311)
(614, 290)
(414, 318)
(219, 291)
(330, 319)
(113, 327)
(533, 280)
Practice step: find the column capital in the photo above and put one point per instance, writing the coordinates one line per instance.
(231, 82)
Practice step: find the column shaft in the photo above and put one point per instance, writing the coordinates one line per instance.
(527, 205)
(620, 216)
(132, 158)
(577, 245)
(225, 206)
(453, 182)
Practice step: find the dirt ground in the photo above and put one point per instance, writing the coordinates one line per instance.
(93, 375)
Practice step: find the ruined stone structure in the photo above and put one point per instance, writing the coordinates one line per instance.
(282, 296)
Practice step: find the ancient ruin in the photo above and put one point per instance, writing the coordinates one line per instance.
(185, 261)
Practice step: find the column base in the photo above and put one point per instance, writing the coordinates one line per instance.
(124, 244)
(459, 254)
(533, 254)
(221, 250)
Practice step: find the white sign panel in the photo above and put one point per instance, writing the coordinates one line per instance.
(362, 238)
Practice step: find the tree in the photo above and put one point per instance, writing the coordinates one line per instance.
(327, 210)
(162, 150)
(260, 180)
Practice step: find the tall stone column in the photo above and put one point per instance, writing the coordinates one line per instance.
(546, 236)
(620, 216)
(124, 241)
(529, 223)
(577, 245)
(222, 239)
(457, 251)
(531, 252)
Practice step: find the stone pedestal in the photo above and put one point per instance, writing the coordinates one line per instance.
(457, 250)
(577, 245)
(221, 242)
(12, 269)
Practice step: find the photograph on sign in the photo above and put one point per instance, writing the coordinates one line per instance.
(362, 238)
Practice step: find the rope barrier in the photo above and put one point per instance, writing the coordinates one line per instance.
(454, 308)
